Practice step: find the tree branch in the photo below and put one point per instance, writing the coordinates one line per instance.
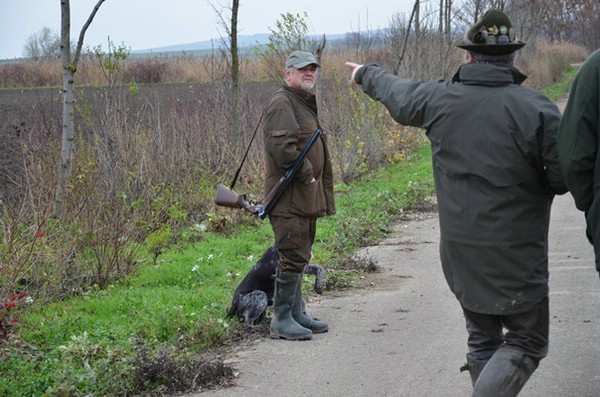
(83, 30)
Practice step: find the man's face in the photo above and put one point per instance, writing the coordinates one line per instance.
(301, 79)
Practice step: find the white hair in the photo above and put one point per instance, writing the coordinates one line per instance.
(508, 59)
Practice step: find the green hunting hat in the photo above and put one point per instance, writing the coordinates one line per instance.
(493, 34)
(300, 59)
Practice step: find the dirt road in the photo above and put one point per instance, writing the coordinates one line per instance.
(404, 335)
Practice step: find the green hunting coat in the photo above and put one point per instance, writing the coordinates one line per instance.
(496, 171)
(579, 143)
(290, 120)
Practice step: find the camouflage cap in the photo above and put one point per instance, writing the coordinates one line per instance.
(300, 59)
(493, 34)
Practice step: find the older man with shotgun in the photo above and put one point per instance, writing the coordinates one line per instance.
(496, 171)
(291, 119)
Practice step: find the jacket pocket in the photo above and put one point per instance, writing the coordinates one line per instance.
(308, 200)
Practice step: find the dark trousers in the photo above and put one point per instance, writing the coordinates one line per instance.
(296, 250)
(526, 332)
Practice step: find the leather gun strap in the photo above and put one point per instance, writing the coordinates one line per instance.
(237, 173)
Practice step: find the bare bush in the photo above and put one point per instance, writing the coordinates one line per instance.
(190, 69)
(24, 233)
(153, 70)
(11, 164)
(43, 73)
(354, 128)
(544, 62)
(21, 243)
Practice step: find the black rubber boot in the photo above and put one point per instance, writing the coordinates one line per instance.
(504, 375)
(283, 324)
(474, 366)
(302, 318)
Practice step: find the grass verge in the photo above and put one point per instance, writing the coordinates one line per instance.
(156, 331)
(561, 88)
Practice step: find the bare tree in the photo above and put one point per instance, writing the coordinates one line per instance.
(289, 34)
(574, 21)
(233, 61)
(448, 19)
(363, 41)
(43, 44)
(472, 10)
(415, 11)
(69, 66)
(319, 86)
(235, 69)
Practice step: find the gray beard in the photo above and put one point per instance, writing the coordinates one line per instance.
(307, 86)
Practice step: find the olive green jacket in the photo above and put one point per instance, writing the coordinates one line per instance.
(290, 120)
(496, 171)
(578, 146)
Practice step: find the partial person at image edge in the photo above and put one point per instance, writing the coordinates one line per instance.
(578, 145)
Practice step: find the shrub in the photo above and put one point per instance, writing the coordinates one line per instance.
(544, 62)
(152, 70)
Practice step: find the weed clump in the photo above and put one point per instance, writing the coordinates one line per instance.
(168, 372)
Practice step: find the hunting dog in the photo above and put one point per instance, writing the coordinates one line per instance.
(255, 292)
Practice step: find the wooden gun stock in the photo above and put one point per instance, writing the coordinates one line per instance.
(228, 198)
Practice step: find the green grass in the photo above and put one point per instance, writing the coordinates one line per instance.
(179, 305)
(561, 89)
(366, 208)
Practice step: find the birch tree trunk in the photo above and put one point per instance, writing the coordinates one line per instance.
(69, 66)
(319, 86)
(235, 71)
(448, 20)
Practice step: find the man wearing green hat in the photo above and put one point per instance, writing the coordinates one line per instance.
(290, 119)
(496, 172)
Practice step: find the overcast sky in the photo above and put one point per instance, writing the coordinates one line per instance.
(145, 24)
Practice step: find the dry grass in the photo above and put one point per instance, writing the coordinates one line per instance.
(544, 62)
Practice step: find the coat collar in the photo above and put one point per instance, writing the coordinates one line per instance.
(299, 94)
(307, 99)
(488, 74)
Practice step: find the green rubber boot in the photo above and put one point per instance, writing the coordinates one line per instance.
(302, 318)
(283, 324)
(504, 375)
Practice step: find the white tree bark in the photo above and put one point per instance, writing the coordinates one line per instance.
(69, 66)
